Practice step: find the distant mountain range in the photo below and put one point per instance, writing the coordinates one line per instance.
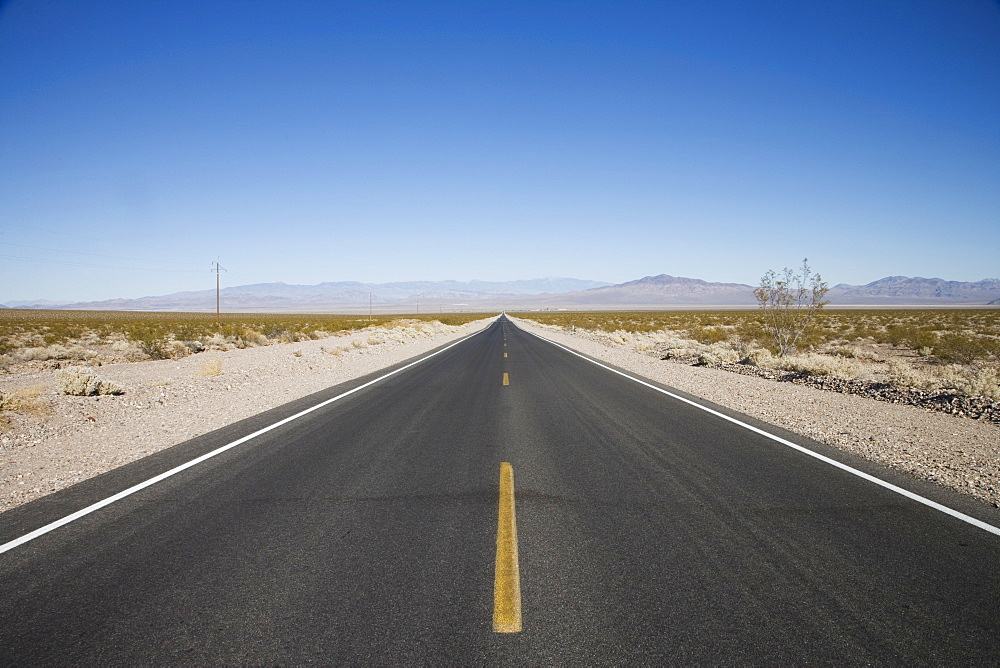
(662, 290)
(416, 295)
(36, 303)
(904, 290)
(548, 293)
(666, 290)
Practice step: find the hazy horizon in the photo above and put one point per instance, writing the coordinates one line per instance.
(383, 142)
(459, 285)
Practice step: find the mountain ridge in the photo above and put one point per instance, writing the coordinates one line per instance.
(662, 290)
(666, 290)
(326, 295)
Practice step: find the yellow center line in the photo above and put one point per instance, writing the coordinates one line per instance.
(506, 379)
(507, 580)
(505, 354)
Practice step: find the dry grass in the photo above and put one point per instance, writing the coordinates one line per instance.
(29, 336)
(27, 400)
(211, 367)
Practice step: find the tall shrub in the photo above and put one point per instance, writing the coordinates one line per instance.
(790, 302)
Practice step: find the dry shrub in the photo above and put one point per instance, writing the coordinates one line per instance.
(53, 352)
(404, 331)
(904, 375)
(129, 351)
(856, 353)
(423, 329)
(710, 335)
(153, 347)
(218, 342)
(81, 382)
(718, 355)
(981, 382)
(813, 364)
(212, 367)
(357, 343)
(254, 338)
(759, 357)
(620, 336)
(172, 349)
(26, 400)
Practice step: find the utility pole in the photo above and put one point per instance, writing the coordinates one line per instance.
(218, 298)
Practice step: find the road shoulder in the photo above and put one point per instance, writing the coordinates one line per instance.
(956, 452)
(171, 402)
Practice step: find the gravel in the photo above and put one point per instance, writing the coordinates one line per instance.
(978, 408)
(950, 449)
(55, 440)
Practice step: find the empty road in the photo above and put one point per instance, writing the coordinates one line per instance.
(365, 532)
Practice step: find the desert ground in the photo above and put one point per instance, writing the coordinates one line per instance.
(50, 440)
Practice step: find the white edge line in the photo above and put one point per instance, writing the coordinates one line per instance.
(861, 474)
(166, 474)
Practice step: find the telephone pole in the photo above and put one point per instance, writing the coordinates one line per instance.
(218, 298)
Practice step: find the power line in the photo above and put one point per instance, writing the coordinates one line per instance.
(70, 263)
(113, 257)
(99, 266)
(91, 237)
(254, 279)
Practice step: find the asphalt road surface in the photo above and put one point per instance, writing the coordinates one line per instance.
(365, 532)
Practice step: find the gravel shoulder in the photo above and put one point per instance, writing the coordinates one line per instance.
(62, 440)
(954, 451)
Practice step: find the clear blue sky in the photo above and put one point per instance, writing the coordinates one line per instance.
(382, 141)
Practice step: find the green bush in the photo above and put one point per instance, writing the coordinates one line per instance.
(964, 348)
